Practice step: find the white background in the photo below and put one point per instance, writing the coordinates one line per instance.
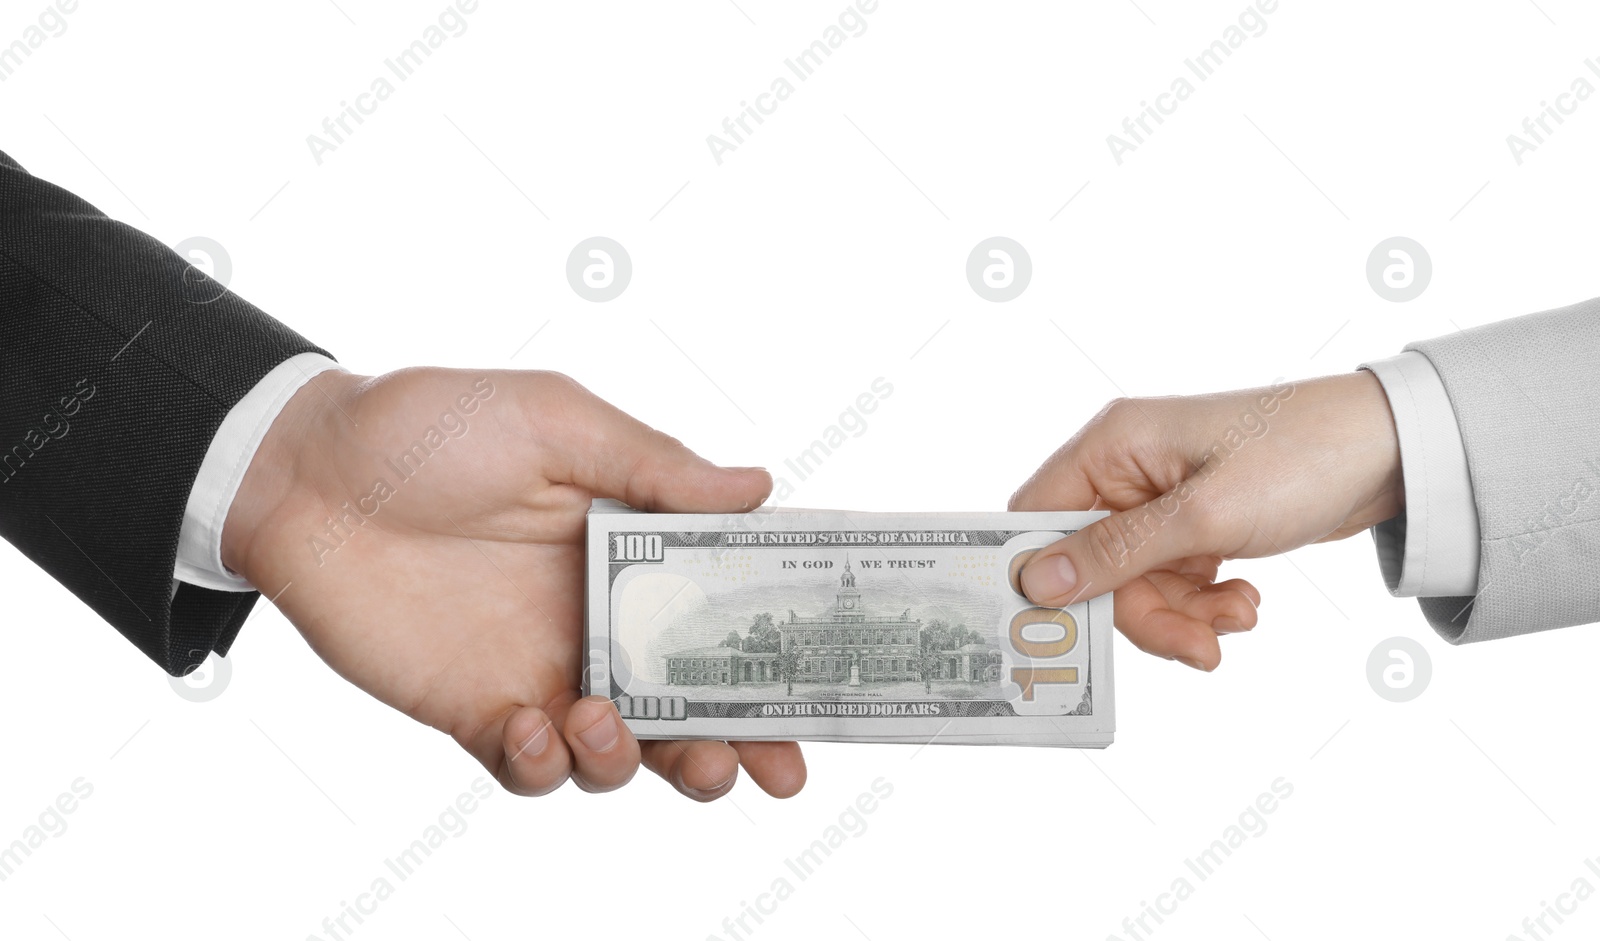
(800, 269)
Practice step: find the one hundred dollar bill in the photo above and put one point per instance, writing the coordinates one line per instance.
(827, 625)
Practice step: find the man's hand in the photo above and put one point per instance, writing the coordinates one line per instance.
(1205, 478)
(424, 531)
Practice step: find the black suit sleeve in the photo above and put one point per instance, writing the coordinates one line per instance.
(118, 362)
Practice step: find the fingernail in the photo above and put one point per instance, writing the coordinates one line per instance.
(1227, 625)
(742, 469)
(1050, 578)
(1188, 662)
(535, 743)
(601, 736)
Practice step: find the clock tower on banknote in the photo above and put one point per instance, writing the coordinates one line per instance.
(847, 604)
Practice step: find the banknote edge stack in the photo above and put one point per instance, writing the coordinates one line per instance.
(597, 673)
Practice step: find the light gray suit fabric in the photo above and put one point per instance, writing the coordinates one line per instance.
(1526, 393)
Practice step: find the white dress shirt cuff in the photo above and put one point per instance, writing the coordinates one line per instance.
(226, 460)
(1431, 549)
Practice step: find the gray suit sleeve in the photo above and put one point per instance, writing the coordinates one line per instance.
(1526, 393)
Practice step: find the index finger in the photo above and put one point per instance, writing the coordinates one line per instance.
(1060, 483)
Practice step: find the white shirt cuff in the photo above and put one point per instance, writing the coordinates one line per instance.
(227, 459)
(1431, 549)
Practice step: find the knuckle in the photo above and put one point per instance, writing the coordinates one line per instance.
(1148, 643)
(550, 381)
(1117, 411)
(671, 444)
(1107, 544)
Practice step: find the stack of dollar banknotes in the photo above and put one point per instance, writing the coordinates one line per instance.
(825, 625)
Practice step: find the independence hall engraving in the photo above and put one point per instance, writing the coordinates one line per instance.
(844, 646)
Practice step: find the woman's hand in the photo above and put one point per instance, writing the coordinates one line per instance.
(1195, 480)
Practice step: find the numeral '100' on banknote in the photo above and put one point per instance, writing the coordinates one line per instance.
(836, 626)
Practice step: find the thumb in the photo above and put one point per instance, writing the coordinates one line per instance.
(608, 452)
(1115, 550)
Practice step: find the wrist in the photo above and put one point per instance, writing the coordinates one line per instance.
(308, 423)
(1375, 442)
